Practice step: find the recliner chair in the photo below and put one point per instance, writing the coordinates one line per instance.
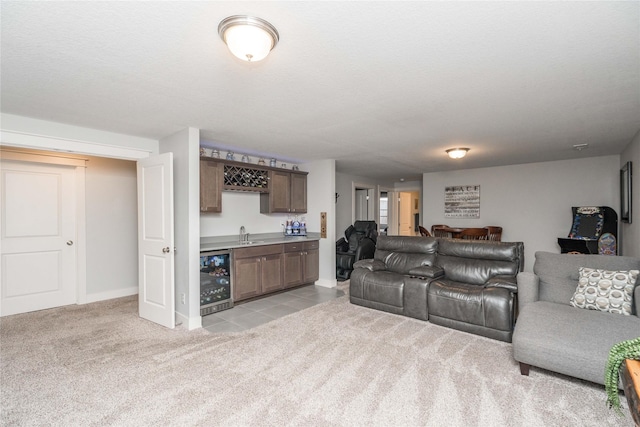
(360, 243)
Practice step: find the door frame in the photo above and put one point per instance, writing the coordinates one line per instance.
(31, 156)
(373, 201)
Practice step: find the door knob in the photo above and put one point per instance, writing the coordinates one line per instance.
(69, 242)
(166, 250)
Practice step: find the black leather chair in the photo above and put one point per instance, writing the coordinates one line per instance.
(359, 243)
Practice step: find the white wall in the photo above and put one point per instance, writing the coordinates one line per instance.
(186, 195)
(631, 232)
(532, 202)
(321, 198)
(238, 209)
(111, 228)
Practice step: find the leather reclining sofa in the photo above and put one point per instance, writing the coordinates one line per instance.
(468, 285)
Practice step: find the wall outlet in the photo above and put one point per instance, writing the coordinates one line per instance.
(183, 298)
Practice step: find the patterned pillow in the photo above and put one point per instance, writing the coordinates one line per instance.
(603, 290)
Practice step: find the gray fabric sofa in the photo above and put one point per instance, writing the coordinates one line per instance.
(553, 335)
(463, 284)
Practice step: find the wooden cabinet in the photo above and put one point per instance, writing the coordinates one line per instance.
(211, 177)
(259, 270)
(280, 190)
(298, 192)
(256, 270)
(301, 263)
(287, 193)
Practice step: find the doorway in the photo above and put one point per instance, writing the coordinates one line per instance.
(364, 203)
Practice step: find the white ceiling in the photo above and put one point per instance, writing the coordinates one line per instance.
(382, 87)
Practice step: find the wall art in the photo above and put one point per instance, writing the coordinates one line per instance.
(462, 201)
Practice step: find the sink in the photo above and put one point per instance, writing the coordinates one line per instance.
(254, 242)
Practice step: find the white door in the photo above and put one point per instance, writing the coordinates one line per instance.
(406, 215)
(362, 211)
(156, 295)
(38, 261)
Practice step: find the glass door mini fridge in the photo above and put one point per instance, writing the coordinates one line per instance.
(216, 281)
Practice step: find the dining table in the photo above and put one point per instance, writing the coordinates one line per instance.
(454, 231)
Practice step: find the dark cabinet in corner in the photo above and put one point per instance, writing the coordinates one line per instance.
(288, 193)
(211, 177)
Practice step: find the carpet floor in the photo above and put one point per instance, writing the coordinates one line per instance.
(334, 364)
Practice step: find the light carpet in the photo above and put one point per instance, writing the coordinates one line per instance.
(335, 364)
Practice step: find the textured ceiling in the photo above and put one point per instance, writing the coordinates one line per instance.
(382, 87)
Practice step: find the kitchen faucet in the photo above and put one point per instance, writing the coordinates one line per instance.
(244, 236)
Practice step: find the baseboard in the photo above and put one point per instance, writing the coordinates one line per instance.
(188, 323)
(327, 283)
(116, 293)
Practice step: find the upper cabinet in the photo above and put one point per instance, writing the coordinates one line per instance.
(281, 190)
(211, 176)
(288, 193)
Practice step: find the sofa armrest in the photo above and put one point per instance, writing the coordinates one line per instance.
(528, 288)
(370, 264)
(506, 282)
(427, 271)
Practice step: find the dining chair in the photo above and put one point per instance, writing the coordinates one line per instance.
(494, 233)
(439, 230)
(424, 232)
(474, 234)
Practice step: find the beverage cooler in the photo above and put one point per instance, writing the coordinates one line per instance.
(216, 281)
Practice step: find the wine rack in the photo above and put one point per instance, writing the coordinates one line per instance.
(243, 178)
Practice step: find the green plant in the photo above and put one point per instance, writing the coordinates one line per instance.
(629, 349)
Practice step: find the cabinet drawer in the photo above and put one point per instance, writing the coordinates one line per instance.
(257, 251)
(314, 244)
(293, 247)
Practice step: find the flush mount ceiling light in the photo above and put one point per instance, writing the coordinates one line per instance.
(457, 153)
(248, 38)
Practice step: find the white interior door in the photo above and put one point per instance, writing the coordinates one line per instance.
(39, 261)
(362, 206)
(156, 297)
(406, 215)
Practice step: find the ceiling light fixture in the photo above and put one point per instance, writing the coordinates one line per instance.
(248, 38)
(457, 153)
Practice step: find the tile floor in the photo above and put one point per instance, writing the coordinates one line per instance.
(255, 313)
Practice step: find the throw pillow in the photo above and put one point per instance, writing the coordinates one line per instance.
(604, 290)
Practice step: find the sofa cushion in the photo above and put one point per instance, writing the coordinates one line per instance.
(558, 273)
(403, 254)
(475, 305)
(573, 342)
(384, 287)
(475, 262)
(605, 290)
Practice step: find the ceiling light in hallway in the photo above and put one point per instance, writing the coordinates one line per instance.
(457, 153)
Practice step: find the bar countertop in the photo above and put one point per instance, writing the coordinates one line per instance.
(215, 243)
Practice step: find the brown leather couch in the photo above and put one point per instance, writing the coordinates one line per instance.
(468, 285)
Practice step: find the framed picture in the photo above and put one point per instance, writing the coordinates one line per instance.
(625, 193)
(462, 201)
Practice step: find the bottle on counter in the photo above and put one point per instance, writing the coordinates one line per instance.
(289, 228)
(303, 226)
(296, 225)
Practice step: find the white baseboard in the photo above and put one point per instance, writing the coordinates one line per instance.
(327, 283)
(116, 293)
(188, 323)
